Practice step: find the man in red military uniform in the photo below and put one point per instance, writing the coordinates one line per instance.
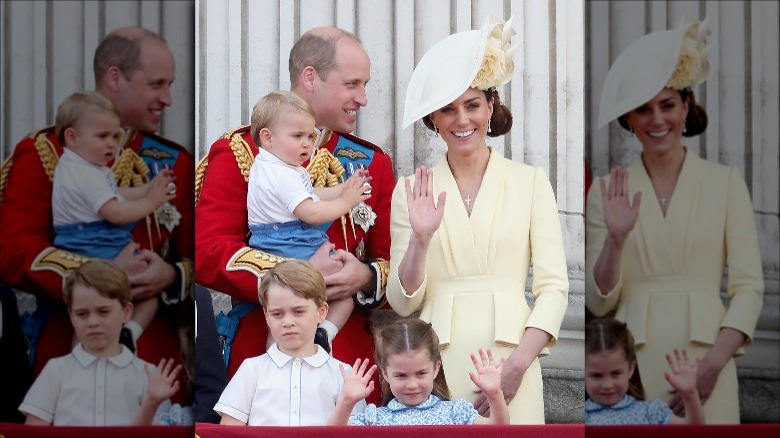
(134, 69)
(359, 267)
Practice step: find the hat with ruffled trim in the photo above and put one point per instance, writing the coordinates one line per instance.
(672, 58)
(474, 58)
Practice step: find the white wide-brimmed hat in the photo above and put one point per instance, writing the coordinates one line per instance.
(474, 58)
(674, 58)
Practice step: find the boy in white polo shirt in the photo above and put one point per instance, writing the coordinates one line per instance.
(100, 383)
(296, 383)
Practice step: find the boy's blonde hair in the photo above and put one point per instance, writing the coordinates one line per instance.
(105, 276)
(303, 279)
(267, 109)
(71, 110)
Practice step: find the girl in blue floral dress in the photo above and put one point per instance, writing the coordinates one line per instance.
(414, 390)
(615, 395)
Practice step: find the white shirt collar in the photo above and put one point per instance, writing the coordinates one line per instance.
(280, 359)
(85, 359)
(68, 154)
(395, 406)
(268, 157)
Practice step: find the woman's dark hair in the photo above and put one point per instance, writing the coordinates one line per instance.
(401, 336)
(695, 122)
(500, 121)
(606, 334)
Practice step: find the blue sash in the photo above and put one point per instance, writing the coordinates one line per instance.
(227, 325)
(32, 325)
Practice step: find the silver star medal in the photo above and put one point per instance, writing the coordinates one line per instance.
(167, 214)
(362, 213)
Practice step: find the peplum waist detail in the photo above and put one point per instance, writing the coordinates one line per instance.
(706, 311)
(510, 309)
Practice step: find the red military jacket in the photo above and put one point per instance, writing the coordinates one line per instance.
(223, 260)
(225, 263)
(29, 262)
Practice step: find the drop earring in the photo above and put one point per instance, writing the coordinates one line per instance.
(488, 131)
(436, 130)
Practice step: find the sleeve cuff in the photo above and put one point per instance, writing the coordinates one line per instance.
(182, 286)
(381, 269)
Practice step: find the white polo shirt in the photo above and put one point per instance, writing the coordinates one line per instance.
(278, 390)
(275, 190)
(85, 390)
(80, 188)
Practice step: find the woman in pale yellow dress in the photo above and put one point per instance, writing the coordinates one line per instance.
(660, 233)
(462, 244)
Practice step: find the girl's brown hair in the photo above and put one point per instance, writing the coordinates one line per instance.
(607, 334)
(409, 334)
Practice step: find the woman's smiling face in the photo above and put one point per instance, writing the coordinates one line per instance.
(658, 124)
(463, 124)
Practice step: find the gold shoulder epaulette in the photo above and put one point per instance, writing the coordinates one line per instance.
(325, 170)
(243, 154)
(242, 129)
(130, 170)
(200, 175)
(48, 129)
(47, 153)
(5, 170)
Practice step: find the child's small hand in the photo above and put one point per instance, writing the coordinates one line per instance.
(358, 384)
(161, 190)
(363, 172)
(683, 376)
(356, 188)
(488, 377)
(166, 174)
(162, 381)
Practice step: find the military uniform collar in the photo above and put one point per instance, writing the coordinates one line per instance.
(323, 136)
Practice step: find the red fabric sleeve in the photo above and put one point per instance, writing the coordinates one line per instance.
(221, 223)
(26, 223)
(377, 239)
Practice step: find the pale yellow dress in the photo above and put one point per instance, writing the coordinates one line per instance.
(672, 266)
(476, 270)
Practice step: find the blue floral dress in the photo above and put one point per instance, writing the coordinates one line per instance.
(628, 411)
(433, 411)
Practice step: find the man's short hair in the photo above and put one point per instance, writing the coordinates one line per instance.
(72, 110)
(121, 48)
(105, 276)
(302, 278)
(267, 110)
(316, 49)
